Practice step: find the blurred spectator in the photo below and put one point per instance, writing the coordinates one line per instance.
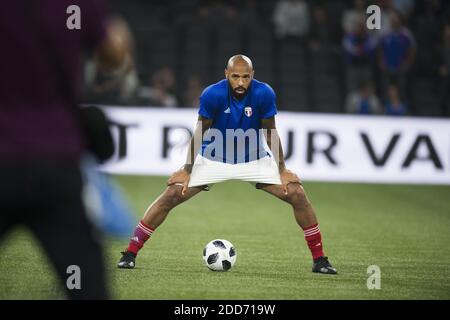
(194, 88)
(111, 87)
(160, 91)
(394, 105)
(444, 72)
(387, 11)
(352, 18)
(322, 34)
(291, 19)
(427, 26)
(404, 7)
(251, 12)
(359, 52)
(397, 53)
(217, 11)
(363, 101)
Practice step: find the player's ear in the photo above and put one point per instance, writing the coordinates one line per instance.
(226, 74)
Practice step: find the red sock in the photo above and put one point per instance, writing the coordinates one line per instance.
(141, 234)
(314, 240)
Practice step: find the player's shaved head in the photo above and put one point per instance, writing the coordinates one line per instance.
(239, 73)
(239, 59)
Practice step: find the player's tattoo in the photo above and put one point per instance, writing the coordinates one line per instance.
(273, 141)
(203, 124)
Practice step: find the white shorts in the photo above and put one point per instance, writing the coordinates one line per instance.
(206, 172)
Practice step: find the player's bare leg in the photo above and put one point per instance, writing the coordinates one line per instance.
(176, 193)
(303, 210)
(155, 214)
(306, 218)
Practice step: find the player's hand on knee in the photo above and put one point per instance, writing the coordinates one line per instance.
(180, 177)
(286, 177)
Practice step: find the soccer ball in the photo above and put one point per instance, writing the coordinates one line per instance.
(219, 255)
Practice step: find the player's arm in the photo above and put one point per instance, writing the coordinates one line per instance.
(182, 176)
(203, 124)
(274, 142)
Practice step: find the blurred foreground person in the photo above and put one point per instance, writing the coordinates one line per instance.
(41, 135)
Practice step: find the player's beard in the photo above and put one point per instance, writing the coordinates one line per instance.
(239, 95)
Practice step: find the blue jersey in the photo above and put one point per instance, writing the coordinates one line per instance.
(235, 135)
(395, 46)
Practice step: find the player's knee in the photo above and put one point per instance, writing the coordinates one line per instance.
(171, 198)
(297, 196)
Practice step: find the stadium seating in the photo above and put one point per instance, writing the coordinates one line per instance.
(174, 34)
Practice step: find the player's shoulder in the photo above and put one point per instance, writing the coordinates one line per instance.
(262, 89)
(215, 90)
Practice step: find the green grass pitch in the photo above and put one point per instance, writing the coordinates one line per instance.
(405, 230)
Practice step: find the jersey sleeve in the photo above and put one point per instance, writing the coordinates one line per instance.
(269, 107)
(208, 104)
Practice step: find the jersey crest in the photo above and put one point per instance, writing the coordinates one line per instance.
(248, 111)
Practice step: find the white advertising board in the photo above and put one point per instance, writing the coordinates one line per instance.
(321, 147)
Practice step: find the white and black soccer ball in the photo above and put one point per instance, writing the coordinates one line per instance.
(219, 255)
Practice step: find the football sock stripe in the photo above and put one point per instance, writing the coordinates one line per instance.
(145, 229)
(313, 238)
(141, 234)
(311, 231)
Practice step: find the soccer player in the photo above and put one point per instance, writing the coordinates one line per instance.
(238, 106)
